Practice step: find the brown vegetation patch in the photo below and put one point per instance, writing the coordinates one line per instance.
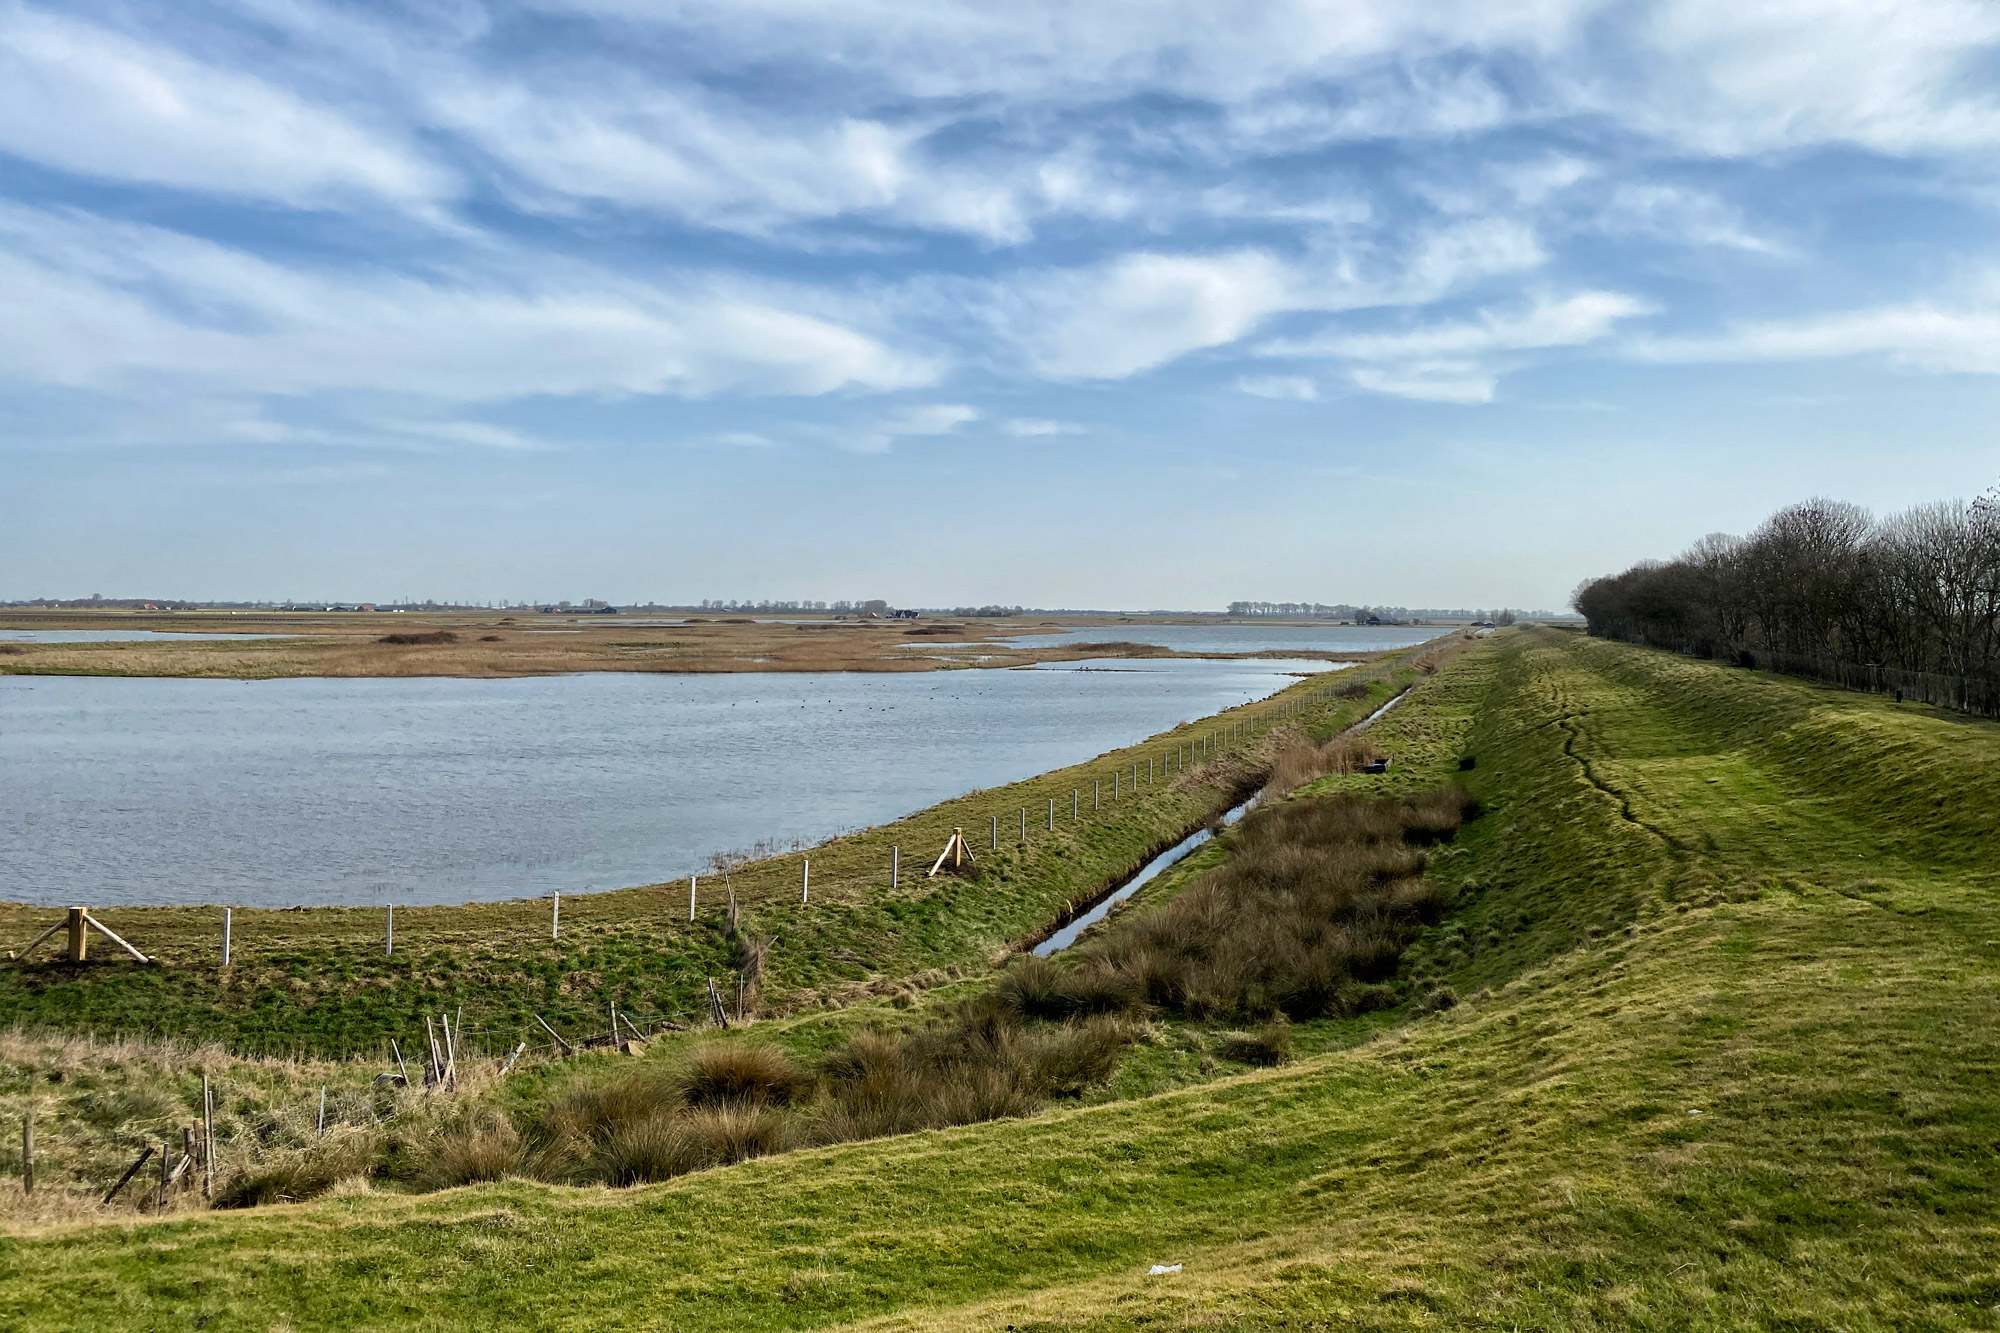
(423, 636)
(1306, 918)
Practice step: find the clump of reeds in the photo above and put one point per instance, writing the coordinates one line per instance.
(1268, 1046)
(424, 636)
(735, 1073)
(736, 1100)
(1306, 919)
(1299, 763)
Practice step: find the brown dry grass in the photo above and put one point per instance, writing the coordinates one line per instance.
(482, 644)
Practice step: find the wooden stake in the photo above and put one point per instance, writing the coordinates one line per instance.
(401, 1068)
(996, 833)
(895, 865)
(130, 1172)
(435, 1074)
(555, 915)
(160, 1203)
(715, 1006)
(509, 1066)
(561, 1043)
(79, 942)
(225, 936)
(322, 1110)
(208, 1139)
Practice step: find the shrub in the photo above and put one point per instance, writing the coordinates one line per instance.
(431, 636)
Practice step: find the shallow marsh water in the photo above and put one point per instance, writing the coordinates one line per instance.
(436, 790)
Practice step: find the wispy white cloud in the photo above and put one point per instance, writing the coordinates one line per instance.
(1284, 388)
(1031, 427)
(1961, 339)
(85, 99)
(116, 306)
(1460, 361)
(922, 419)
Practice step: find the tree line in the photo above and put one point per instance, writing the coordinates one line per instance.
(1909, 603)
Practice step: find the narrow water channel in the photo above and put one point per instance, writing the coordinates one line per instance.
(1069, 934)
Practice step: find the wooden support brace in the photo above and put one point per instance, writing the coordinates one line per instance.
(562, 1043)
(106, 932)
(130, 1172)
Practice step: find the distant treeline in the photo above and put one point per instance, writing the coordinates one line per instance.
(1909, 603)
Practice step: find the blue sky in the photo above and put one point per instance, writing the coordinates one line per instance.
(1113, 305)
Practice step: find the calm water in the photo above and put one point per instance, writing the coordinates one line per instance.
(1240, 638)
(114, 635)
(282, 792)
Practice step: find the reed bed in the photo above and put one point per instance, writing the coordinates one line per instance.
(1306, 918)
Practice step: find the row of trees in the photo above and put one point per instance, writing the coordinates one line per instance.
(1822, 588)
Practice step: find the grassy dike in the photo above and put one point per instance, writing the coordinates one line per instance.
(1727, 1058)
(316, 981)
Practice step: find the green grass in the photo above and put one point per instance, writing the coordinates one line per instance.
(1802, 951)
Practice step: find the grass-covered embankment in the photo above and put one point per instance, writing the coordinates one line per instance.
(317, 980)
(1727, 1058)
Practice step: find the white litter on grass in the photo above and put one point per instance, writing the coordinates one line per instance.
(1158, 1269)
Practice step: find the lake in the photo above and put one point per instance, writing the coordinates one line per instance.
(439, 790)
(1241, 638)
(117, 636)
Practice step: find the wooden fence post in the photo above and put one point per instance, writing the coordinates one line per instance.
(208, 1138)
(79, 942)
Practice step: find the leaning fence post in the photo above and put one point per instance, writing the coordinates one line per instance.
(208, 1138)
(322, 1110)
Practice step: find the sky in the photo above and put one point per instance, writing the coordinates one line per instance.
(1111, 305)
